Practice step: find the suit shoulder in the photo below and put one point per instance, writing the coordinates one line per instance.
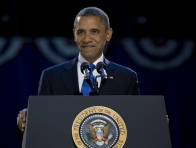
(123, 69)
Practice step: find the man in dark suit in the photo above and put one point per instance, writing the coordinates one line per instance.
(91, 31)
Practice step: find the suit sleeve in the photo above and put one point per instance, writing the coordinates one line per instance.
(134, 85)
(44, 84)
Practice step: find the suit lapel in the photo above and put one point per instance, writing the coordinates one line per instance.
(110, 68)
(110, 82)
(70, 77)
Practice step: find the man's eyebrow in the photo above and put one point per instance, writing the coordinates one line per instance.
(79, 30)
(94, 29)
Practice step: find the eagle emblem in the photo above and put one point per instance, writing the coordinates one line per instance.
(99, 130)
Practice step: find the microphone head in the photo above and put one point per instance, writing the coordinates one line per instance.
(85, 65)
(101, 65)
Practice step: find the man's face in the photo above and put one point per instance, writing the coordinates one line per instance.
(90, 36)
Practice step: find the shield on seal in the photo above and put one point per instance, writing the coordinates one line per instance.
(99, 134)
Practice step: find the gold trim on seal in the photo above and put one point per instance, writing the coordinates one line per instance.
(94, 110)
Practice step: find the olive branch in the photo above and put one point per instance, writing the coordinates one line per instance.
(89, 137)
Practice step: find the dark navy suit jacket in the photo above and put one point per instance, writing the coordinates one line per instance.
(63, 80)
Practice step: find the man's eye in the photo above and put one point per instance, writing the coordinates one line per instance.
(80, 32)
(95, 31)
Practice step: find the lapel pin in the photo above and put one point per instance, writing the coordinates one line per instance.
(111, 77)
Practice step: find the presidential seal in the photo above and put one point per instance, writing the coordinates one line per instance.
(99, 127)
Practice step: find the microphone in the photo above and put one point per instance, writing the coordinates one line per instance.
(85, 69)
(102, 70)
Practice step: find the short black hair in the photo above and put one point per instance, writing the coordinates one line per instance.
(94, 11)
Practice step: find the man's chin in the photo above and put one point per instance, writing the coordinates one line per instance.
(90, 58)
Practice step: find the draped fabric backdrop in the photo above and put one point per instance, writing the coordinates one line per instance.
(164, 66)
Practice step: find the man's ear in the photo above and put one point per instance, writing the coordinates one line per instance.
(109, 34)
(74, 34)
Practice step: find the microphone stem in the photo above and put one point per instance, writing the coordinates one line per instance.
(96, 89)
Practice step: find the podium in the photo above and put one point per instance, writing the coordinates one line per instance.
(50, 119)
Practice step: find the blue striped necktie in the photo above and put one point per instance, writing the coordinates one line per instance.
(86, 89)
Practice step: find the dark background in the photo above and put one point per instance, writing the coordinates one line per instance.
(159, 22)
(128, 18)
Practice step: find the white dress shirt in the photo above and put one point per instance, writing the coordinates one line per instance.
(81, 75)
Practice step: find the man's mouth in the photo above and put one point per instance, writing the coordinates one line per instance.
(87, 46)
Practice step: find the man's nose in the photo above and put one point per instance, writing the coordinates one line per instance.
(87, 38)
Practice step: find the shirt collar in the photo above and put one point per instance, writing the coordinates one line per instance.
(81, 59)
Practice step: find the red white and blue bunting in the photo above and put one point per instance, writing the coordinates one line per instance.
(144, 51)
(160, 57)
